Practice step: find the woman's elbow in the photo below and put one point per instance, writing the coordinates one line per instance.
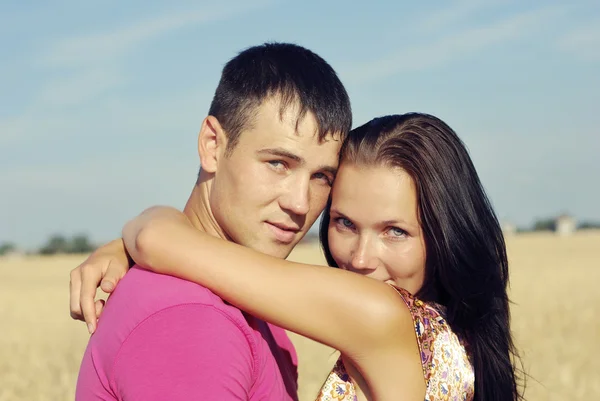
(140, 243)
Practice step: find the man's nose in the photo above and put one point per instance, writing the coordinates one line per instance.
(297, 196)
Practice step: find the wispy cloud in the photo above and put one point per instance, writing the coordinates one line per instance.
(77, 88)
(583, 42)
(456, 12)
(28, 127)
(94, 59)
(174, 112)
(98, 47)
(82, 67)
(450, 46)
(75, 194)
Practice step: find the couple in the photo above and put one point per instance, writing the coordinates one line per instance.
(417, 305)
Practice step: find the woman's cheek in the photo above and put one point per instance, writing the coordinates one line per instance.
(338, 247)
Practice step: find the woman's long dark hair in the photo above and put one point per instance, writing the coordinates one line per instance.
(466, 265)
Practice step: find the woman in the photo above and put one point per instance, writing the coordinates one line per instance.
(409, 215)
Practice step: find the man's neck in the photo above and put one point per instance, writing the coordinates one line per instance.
(198, 211)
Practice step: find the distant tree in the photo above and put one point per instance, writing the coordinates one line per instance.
(56, 244)
(7, 247)
(544, 225)
(589, 225)
(80, 243)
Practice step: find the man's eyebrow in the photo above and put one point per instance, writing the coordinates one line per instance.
(328, 169)
(280, 152)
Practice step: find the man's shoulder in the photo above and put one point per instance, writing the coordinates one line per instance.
(161, 306)
(142, 294)
(151, 286)
(186, 338)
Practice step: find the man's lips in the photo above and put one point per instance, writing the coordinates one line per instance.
(283, 233)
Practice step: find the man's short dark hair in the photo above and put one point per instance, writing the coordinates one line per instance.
(296, 75)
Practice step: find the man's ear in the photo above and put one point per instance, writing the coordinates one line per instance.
(212, 144)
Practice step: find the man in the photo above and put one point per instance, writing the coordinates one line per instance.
(268, 151)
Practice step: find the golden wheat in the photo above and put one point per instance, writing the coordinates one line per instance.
(556, 321)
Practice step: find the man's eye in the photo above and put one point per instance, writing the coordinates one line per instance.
(278, 164)
(324, 177)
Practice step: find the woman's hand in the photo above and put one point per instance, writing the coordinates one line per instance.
(104, 268)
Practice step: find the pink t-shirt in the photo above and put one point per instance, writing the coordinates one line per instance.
(163, 338)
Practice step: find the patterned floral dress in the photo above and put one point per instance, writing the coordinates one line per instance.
(447, 371)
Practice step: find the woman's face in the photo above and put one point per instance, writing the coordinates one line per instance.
(374, 228)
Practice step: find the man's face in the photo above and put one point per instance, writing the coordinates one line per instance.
(269, 191)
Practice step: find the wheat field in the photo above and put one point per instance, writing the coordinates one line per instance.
(556, 319)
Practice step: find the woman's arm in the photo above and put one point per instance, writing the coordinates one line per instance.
(341, 309)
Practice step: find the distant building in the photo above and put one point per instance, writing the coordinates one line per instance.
(565, 225)
(15, 254)
(508, 228)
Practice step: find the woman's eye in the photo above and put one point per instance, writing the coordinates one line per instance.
(344, 222)
(397, 232)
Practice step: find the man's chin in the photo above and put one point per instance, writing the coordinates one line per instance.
(269, 245)
(282, 251)
(275, 249)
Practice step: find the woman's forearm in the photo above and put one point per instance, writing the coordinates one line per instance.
(332, 306)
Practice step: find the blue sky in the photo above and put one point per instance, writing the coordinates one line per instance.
(101, 102)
